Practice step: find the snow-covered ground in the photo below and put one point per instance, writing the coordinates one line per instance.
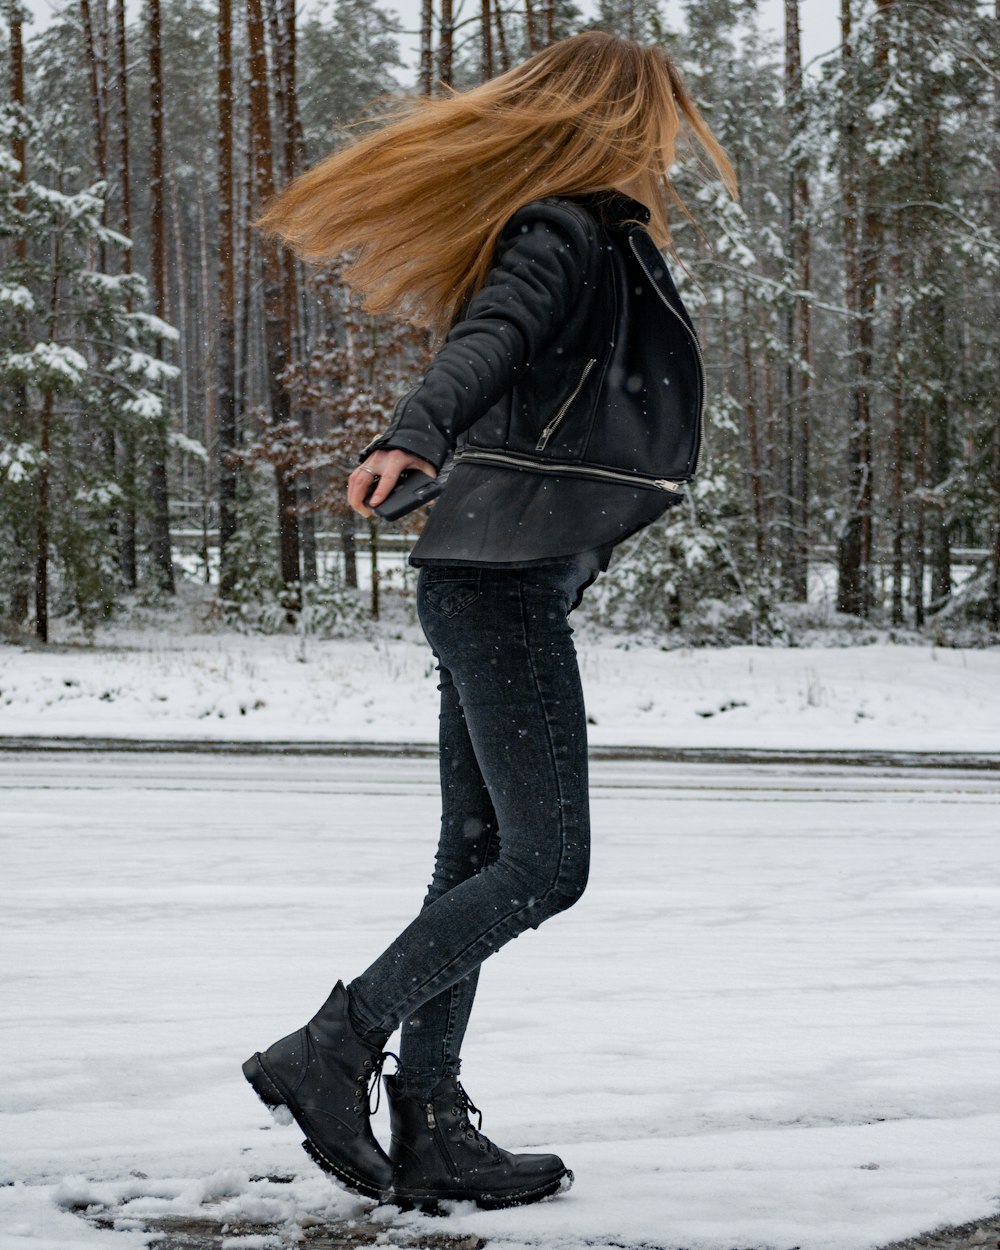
(220, 685)
(771, 1021)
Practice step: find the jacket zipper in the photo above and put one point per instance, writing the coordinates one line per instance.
(550, 429)
(573, 470)
(691, 335)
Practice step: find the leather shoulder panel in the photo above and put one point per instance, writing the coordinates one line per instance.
(571, 217)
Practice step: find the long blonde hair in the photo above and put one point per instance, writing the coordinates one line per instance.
(420, 201)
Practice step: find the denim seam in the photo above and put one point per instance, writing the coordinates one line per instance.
(449, 1028)
(417, 995)
(552, 745)
(453, 993)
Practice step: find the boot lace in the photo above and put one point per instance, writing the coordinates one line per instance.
(369, 1081)
(463, 1107)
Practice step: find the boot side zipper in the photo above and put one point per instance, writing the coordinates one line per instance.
(552, 426)
(439, 1141)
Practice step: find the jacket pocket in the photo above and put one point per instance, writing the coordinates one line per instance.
(563, 408)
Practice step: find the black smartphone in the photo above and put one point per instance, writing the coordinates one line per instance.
(413, 489)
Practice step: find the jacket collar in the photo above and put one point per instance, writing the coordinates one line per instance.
(615, 208)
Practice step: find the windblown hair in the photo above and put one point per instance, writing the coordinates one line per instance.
(420, 201)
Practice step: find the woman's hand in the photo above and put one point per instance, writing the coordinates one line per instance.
(387, 463)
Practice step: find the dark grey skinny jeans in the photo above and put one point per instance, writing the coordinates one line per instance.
(515, 829)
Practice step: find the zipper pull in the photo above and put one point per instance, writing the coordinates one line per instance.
(544, 437)
(429, 1110)
(552, 425)
(663, 484)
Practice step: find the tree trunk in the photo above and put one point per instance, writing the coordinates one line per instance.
(896, 504)
(753, 433)
(917, 539)
(205, 353)
(768, 422)
(939, 452)
(95, 59)
(446, 43)
(375, 574)
(349, 547)
(531, 24)
(503, 49)
(796, 569)
(45, 463)
(97, 89)
(939, 361)
(275, 326)
(294, 154)
(248, 271)
(994, 593)
(226, 278)
(42, 523)
(278, 62)
(127, 521)
(854, 545)
(19, 417)
(486, 41)
(426, 47)
(180, 316)
(160, 544)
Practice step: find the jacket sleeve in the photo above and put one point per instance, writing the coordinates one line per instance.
(539, 269)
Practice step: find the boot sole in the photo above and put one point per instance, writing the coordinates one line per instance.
(269, 1091)
(408, 1200)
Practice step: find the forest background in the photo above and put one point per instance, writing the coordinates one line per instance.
(180, 399)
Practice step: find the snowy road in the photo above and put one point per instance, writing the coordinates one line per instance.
(771, 1022)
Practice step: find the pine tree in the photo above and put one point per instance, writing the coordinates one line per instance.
(347, 58)
(84, 363)
(742, 289)
(642, 20)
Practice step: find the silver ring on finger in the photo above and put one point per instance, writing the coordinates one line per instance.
(371, 471)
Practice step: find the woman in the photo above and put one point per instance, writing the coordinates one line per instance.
(566, 396)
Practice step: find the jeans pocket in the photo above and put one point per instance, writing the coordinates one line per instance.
(449, 595)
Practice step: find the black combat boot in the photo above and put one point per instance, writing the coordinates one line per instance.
(323, 1074)
(436, 1153)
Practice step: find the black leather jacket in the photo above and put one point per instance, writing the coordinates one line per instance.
(577, 367)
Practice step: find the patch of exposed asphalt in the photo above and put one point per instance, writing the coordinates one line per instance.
(976, 1235)
(204, 1233)
(980, 761)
